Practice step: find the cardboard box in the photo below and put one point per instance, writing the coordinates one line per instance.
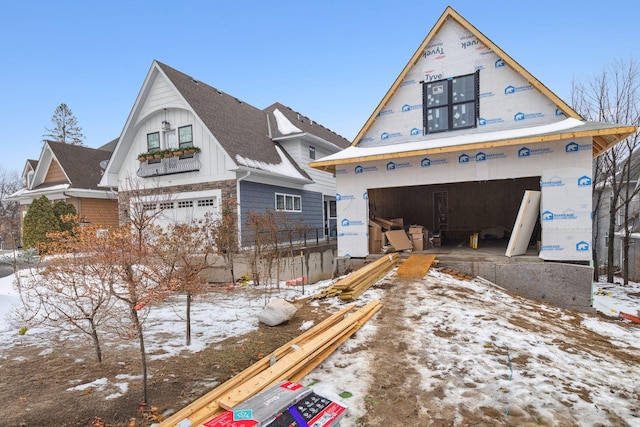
(375, 246)
(418, 243)
(436, 241)
(384, 223)
(416, 229)
(398, 222)
(375, 233)
(399, 240)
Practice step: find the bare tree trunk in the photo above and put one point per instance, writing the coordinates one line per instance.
(96, 341)
(188, 318)
(143, 353)
(612, 229)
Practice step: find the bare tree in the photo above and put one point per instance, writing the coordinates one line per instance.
(614, 97)
(132, 251)
(66, 127)
(226, 236)
(10, 182)
(72, 291)
(185, 249)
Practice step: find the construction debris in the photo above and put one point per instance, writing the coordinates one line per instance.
(292, 362)
(353, 285)
(456, 274)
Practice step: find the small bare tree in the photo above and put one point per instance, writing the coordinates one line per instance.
(226, 235)
(614, 97)
(131, 250)
(10, 182)
(185, 249)
(72, 290)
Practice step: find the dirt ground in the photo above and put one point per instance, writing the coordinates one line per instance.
(33, 389)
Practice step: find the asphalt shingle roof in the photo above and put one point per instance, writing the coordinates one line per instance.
(241, 129)
(81, 164)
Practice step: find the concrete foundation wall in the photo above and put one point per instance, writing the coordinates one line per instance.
(314, 263)
(563, 285)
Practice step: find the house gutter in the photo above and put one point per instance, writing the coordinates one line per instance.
(239, 206)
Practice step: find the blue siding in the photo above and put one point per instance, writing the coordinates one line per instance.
(255, 197)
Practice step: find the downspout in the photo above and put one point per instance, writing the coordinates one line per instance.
(239, 206)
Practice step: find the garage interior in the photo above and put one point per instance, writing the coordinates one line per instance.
(458, 210)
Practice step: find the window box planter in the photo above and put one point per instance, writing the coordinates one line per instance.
(191, 150)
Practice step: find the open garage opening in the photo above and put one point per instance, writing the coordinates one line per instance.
(455, 211)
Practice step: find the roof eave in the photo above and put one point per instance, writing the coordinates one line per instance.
(261, 172)
(606, 138)
(306, 136)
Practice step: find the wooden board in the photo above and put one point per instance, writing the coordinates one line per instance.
(399, 240)
(416, 266)
(525, 221)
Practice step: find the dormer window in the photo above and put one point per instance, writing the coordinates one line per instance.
(451, 104)
(312, 153)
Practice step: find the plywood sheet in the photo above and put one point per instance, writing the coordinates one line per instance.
(415, 267)
(525, 221)
(399, 240)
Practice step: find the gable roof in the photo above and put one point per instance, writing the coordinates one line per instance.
(603, 136)
(240, 128)
(244, 132)
(80, 164)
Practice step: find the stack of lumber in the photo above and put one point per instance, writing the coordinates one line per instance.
(353, 285)
(293, 361)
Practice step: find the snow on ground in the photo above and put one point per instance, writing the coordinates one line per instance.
(490, 323)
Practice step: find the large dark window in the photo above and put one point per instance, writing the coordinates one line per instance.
(451, 104)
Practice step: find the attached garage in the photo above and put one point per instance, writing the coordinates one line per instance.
(461, 135)
(454, 211)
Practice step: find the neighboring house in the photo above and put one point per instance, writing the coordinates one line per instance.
(71, 173)
(603, 197)
(460, 138)
(255, 159)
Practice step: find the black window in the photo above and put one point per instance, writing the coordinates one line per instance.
(451, 104)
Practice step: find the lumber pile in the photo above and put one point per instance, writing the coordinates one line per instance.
(293, 361)
(352, 286)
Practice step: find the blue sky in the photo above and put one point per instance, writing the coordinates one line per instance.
(330, 60)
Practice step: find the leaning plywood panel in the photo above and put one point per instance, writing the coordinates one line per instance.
(525, 221)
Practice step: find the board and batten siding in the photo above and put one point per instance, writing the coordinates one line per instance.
(256, 197)
(323, 182)
(161, 95)
(212, 158)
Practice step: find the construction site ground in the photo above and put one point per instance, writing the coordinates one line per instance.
(33, 389)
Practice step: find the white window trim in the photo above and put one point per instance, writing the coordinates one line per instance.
(285, 195)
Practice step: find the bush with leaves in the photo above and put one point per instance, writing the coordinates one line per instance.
(38, 222)
(65, 214)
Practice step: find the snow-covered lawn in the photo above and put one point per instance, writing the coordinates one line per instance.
(546, 371)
